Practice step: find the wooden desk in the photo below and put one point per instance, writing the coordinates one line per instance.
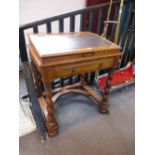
(67, 54)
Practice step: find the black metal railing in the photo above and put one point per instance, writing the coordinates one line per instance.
(48, 21)
(87, 22)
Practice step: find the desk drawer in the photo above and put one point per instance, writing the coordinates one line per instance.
(93, 66)
(84, 67)
(79, 57)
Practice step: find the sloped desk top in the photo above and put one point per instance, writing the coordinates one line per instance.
(74, 45)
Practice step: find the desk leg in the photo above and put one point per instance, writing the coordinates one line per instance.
(104, 105)
(37, 80)
(51, 124)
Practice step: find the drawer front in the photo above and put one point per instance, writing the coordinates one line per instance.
(74, 69)
(78, 56)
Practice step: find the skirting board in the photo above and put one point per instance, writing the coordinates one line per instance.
(26, 121)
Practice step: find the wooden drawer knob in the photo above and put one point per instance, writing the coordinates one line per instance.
(101, 66)
(73, 70)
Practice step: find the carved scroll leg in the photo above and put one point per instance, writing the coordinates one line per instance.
(39, 87)
(51, 124)
(104, 105)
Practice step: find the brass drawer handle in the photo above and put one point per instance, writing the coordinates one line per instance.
(87, 54)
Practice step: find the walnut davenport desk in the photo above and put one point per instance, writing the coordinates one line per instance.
(66, 54)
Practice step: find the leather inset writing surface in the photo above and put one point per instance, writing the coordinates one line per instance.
(48, 44)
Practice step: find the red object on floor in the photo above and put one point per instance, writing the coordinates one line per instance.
(120, 77)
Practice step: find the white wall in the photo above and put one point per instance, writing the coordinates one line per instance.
(32, 10)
